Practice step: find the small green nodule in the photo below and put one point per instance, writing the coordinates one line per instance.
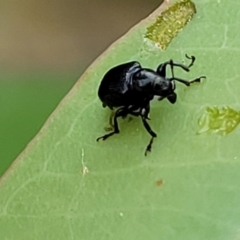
(219, 120)
(170, 22)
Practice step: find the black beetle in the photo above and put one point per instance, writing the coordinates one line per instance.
(130, 88)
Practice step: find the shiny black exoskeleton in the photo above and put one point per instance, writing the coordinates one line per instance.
(130, 88)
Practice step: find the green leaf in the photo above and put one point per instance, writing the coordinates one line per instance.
(65, 185)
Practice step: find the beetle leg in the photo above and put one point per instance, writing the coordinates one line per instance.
(111, 125)
(149, 146)
(161, 70)
(192, 58)
(119, 113)
(162, 67)
(151, 132)
(144, 112)
(187, 83)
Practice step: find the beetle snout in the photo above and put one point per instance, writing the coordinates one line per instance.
(172, 98)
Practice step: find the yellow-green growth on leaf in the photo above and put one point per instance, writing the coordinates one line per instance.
(170, 22)
(219, 120)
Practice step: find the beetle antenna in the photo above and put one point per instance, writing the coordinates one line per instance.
(171, 66)
(192, 58)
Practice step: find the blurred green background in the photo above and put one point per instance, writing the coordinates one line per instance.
(45, 47)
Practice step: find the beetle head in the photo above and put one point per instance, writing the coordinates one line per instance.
(164, 88)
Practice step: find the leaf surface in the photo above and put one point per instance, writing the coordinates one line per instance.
(65, 185)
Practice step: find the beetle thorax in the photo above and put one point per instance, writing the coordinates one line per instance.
(151, 83)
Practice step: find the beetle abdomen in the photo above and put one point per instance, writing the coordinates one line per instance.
(114, 88)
